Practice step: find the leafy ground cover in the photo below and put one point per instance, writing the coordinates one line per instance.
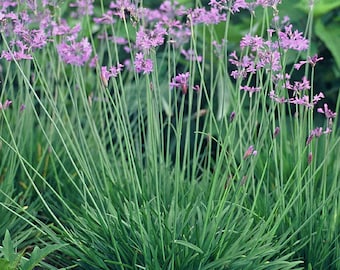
(175, 135)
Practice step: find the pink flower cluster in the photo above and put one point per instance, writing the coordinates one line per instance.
(201, 15)
(75, 53)
(147, 39)
(165, 23)
(181, 81)
(83, 8)
(310, 60)
(143, 64)
(236, 5)
(34, 28)
(113, 71)
(190, 55)
(317, 133)
(265, 55)
(23, 39)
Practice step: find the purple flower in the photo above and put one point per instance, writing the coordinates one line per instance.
(123, 7)
(143, 65)
(329, 115)
(219, 48)
(5, 105)
(268, 3)
(276, 98)
(314, 59)
(166, 13)
(250, 151)
(304, 101)
(93, 62)
(254, 43)
(310, 157)
(147, 39)
(106, 18)
(238, 74)
(317, 132)
(118, 40)
(7, 4)
(64, 29)
(112, 72)
(19, 54)
(263, 55)
(276, 131)
(299, 86)
(318, 97)
(242, 4)
(269, 59)
(201, 15)
(250, 89)
(218, 4)
(234, 59)
(239, 4)
(246, 65)
(179, 36)
(181, 81)
(191, 56)
(24, 32)
(75, 53)
(310, 60)
(280, 77)
(297, 66)
(327, 112)
(196, 88)
(84, 7)
(289, 39)
(36, 39)
(232, 116)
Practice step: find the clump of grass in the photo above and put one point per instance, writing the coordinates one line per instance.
(143, 140)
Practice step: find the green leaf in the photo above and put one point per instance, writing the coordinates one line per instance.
(330, 36)
(11, 259)
(4, 264)
(189, 245)
(321, 7)
(8, 247)
(38, 255)
(183, 2)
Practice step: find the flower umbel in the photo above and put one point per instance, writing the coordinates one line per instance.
(112, 72)
(311, 60)
(327, 112)
(143, 65)
(75, 53)
(181, 81)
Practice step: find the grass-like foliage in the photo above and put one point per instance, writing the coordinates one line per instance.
(148, 138)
